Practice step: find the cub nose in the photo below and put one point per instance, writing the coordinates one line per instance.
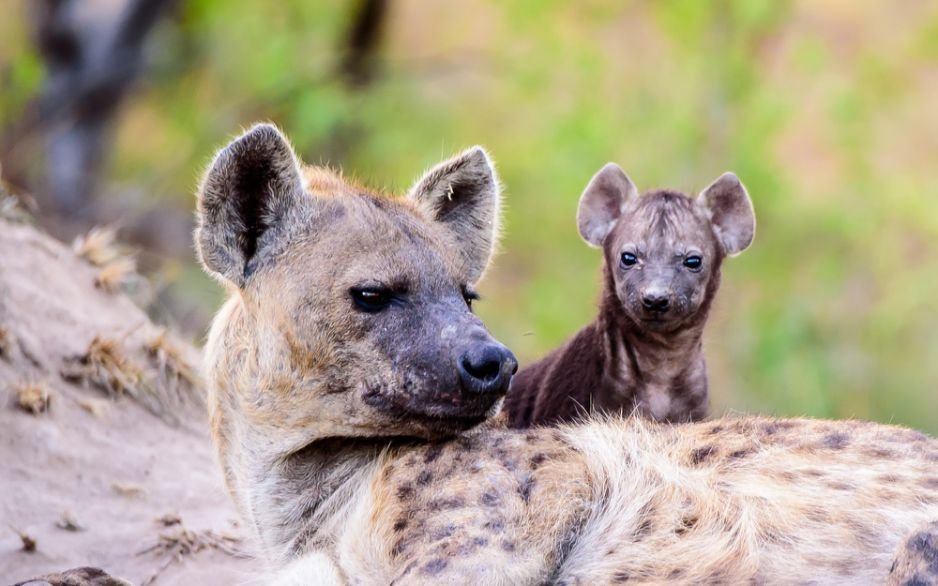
(487, 368)
(656, 301)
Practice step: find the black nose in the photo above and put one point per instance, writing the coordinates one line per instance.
(656, 302)
(487, 368)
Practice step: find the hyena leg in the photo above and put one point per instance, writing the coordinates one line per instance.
(916, 562)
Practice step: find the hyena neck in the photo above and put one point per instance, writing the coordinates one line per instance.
(662, 372)
(298, 501)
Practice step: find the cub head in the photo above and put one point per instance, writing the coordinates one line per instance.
(663, 250)
(350, 312)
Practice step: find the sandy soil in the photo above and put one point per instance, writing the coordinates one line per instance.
(112, 463)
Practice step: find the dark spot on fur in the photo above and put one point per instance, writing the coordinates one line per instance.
(676, 573)
(621, 577)
(909, 435)
(399, 546)
(443, 532)
(918, 581)
(464, 442)
(880, 454)
(888, 478)
(739, 454)
(836, 441)
(489, 498)
(424, 478)
(787, 476)
(435, 566)
(715, 429)
(931, 483)
(814, 473)
(399, 525)
(687, 523)
(644, 525)
(701, 455)
(440, 504)
(840, 485)
(405, 492)
(432, 453)
(525, 489)
(480, 541)
(495, 525)
(818, 515)
(537, 460)
(773, 427)
(508, 546)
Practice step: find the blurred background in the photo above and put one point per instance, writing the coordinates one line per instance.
(110, 109)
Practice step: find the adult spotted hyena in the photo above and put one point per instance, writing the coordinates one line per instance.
(348, 376)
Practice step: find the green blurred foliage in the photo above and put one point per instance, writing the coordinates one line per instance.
(825, 110)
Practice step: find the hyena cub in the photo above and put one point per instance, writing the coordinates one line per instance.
(662, 253)
(347, 370)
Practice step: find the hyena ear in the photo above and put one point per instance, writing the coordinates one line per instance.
(730, 209)
(463, 194)
(602, 202)
(246, 198)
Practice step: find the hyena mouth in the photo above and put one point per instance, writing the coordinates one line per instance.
(441, 411)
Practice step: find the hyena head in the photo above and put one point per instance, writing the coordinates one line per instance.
(663, 250)
(351, 312)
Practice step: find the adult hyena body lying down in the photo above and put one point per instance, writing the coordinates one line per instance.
(346, 371)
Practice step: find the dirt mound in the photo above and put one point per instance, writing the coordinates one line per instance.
(104, 455)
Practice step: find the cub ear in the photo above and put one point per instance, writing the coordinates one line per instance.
(602, 202)
(244, 202)
(727, 203)
(464, 195)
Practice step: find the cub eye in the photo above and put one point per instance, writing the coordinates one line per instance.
(469, 295)
(371, 299)
(693, 262)
(628, 259)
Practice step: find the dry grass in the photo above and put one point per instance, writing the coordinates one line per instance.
(68, 522)
(28, 542)
(4, 342)
(96, 407)
(180, 542)
(175, 377)
(15, 208)
(32, 397)
(99, 246)
(169, 519)
(118, 266)
(117, 275)
(106, 366)
(12, 210)
(128, 489)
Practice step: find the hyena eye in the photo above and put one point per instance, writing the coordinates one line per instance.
(469, 295)
(628, 259)
(371, 299)
(693, 262)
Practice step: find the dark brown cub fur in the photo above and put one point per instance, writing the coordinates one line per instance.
(662, 257)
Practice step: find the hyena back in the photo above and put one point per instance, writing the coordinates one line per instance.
(348, 378)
